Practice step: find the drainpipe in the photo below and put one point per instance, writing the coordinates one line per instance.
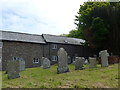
(44, 45)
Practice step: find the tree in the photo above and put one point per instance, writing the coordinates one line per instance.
(75, 34)
(99, 32)
(98, 23)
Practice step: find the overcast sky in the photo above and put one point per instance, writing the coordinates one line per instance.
(39, 16)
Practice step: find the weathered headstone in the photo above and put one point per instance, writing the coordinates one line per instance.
(46, 63)
(22, 65)
(93, 62)
(41, 61)
(13, 69)
(62, 61)
(104, 58)
(79, 62)
(0, 64)
(86, 61)
(69, 60)
(73, 60)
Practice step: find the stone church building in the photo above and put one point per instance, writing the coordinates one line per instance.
(32, 47)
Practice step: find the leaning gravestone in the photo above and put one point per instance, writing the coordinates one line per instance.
(13, 69)
(79, 62)
(46, 63)
(104, 58)
(62, 61)
(22, 65)
(93, 62)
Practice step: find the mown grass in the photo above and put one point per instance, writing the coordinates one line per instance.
(48, 78)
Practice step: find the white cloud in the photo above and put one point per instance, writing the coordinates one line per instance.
(40, 16)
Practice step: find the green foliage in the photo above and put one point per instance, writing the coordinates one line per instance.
(75, 34)
(100, 32)
(98, 23)
(84, 19)
(48, 78)
(84, 14)
(63, 34)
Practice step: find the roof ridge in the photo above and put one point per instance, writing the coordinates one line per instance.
(24, 37)
(62, 36)
(56, 35)
(21, 33)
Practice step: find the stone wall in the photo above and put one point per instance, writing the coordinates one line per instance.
(72, 50)
(27, 51)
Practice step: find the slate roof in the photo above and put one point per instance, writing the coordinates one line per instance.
(62, 39)
(23, 37)
(34, 38)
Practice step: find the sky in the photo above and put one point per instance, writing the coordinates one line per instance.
(39, 16)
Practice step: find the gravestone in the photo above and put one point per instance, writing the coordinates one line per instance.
(69, 60)
(0, 64)
(86, 61)
(104, 58)
(41, 61)
(46, 63)
(62, 61)
(22, 65)
(92, 62)
(13, 69)
(79, 62)
(73, 60)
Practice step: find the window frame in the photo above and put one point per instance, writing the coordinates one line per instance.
(35, 60)
(54, 58)
(54, 46)
(16, 58)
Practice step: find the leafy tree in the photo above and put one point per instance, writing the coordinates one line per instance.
(75, 34)
(63, 34)
(98, 23)
(99, 31)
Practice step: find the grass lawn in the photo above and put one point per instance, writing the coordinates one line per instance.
(48, 78)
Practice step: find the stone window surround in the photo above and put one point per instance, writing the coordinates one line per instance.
(54, 58)
(35, 60)
(16, 58)
(54, 46)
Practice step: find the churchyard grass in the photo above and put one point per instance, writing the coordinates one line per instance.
(100, 77)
